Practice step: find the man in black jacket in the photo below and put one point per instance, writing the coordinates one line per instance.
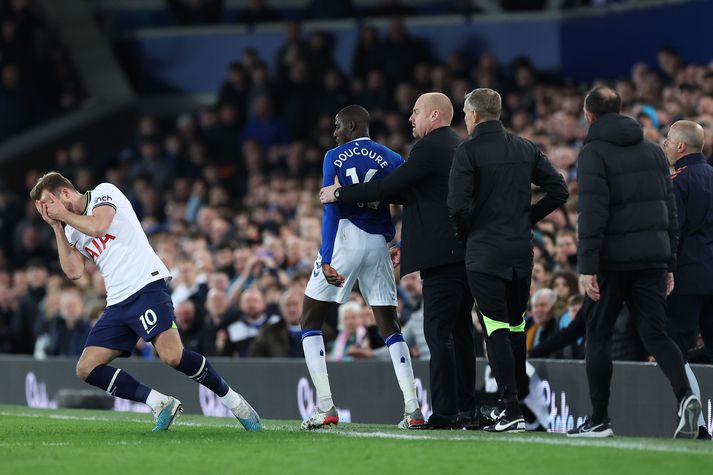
(489, 200)
(690, 305)
(628, 235)
(429, 246)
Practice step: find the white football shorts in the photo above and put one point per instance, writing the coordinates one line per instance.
(360, 256)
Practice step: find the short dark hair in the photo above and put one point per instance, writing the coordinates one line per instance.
(355, 113)
(602, 100)
(51, 182)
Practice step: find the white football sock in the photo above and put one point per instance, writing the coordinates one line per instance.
(156, 399)
(231, 399)
(696, 389)
(401, 358)
(315, 357)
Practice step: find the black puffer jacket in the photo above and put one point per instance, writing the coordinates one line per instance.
(627, 210)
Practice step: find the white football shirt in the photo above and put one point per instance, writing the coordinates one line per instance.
(123, 255)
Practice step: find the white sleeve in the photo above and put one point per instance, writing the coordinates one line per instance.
(106, 194)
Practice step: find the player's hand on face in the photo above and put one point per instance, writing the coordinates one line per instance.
(326, 194)
(42, 209)
(54, 208)
(332, 276)
(395, 253)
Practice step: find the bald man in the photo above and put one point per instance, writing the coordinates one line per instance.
(430, 246)
(690, 305)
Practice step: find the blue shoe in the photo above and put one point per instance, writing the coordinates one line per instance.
(168, 413)
(247, 416)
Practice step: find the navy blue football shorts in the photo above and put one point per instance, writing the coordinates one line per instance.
(147, 313)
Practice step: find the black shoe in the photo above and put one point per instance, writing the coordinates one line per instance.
(689, 411)
(505, 424)
(703, 433)
(439, 422)
(491, 413)
(470, 420)
(590, 429)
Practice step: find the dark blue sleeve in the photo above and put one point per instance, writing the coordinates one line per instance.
(330, 215)
(680, 190)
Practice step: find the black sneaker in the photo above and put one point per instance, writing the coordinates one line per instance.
(688, 413)
(491, 413)
(590, 429)
(703, 433)
(505, 424)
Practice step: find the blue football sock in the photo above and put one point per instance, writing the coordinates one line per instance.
(119, 383)
(199, 369)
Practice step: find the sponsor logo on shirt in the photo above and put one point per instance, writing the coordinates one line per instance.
(102, 199)
(99, 246)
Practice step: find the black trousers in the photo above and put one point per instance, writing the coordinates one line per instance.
(448, 328)
(644, 291)
(687, 316)
(501, 307)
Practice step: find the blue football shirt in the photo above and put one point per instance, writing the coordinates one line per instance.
(358, 161)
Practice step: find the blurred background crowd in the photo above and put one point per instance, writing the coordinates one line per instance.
(228, 195)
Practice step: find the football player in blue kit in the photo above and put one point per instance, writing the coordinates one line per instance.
(354, 248)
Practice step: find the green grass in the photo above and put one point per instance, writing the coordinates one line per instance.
(105, 442)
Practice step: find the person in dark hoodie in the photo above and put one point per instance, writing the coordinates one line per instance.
(628, 237)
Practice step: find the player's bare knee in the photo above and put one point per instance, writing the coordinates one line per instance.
(171, 357)
(84, 369)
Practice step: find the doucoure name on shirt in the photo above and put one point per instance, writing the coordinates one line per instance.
(359, 151)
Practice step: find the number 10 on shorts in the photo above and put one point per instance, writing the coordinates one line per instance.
(148, 320)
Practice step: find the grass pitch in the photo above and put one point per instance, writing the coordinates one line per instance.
(106, 442)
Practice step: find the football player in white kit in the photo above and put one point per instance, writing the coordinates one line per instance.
(102, 226)
(354, 242)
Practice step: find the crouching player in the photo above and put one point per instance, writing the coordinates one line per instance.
(101, 225)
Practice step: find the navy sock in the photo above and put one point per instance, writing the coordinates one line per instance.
(119, 383)
(199, 369)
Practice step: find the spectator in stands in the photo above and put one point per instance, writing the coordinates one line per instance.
(219, 314)
(252, 318)
(566, 254)
(189, 285)
(234, 90)
(351, 331)
(264, 126)
(369, 55)
(565, 285)
(69, 330)
(27, 318)
(543, 324)
(189, 326)
(282, 339)
(16, 101)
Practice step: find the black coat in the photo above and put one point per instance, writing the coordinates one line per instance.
(421, 185)
(490, 199)
(627, 210)
(693, 188)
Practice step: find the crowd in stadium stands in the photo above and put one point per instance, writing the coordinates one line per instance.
(37, 80)
(229, 196)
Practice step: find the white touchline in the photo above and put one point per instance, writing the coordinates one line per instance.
(509, 439)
